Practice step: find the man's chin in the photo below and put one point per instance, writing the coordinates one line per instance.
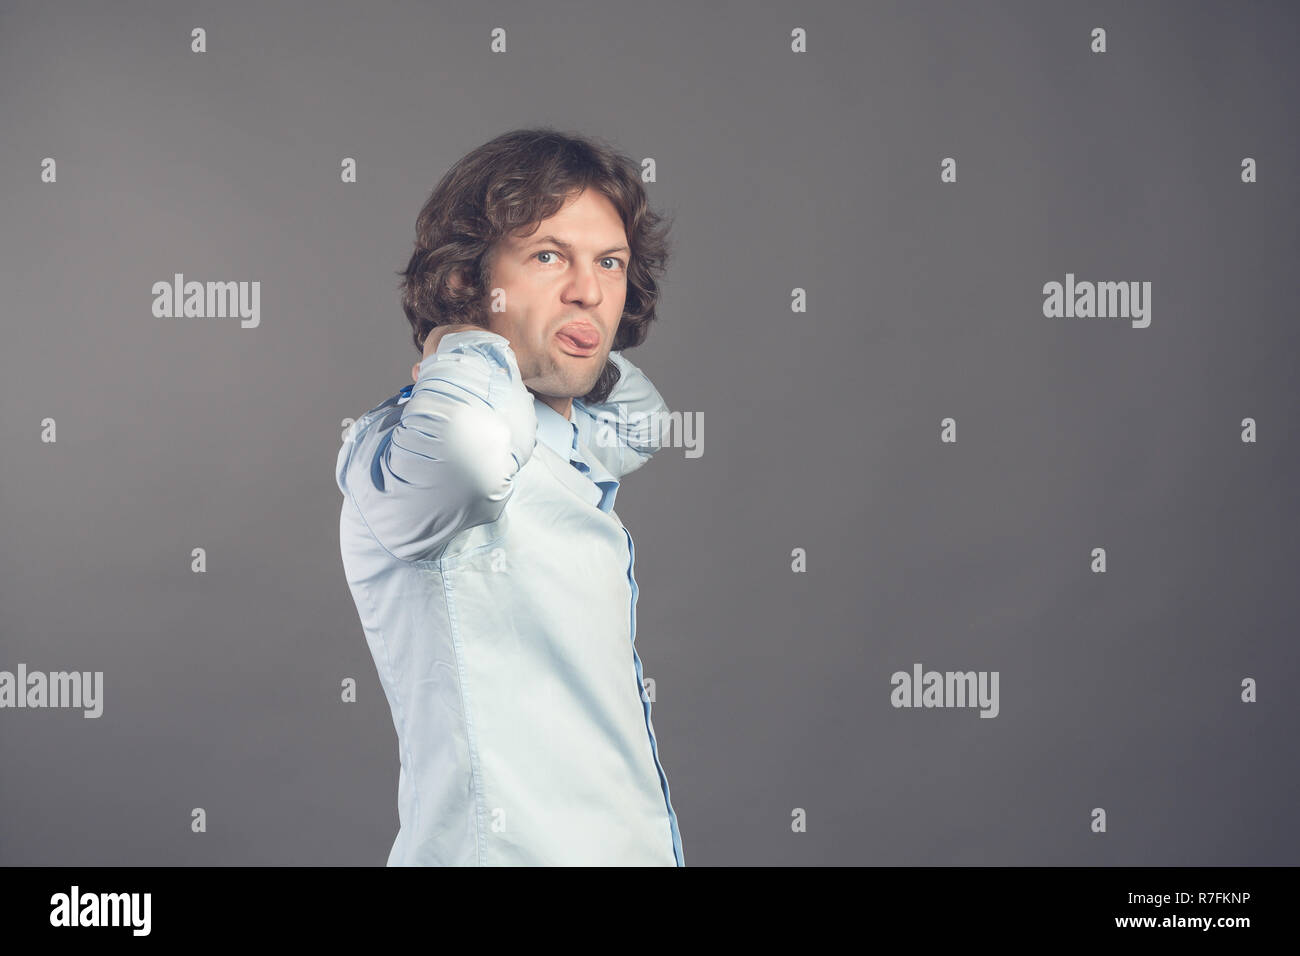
(580, 369)
(566, 386)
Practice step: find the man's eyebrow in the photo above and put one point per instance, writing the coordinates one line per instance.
(553, 241)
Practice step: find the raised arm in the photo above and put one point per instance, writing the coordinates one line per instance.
(448, 461)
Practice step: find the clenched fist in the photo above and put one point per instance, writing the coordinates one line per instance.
(434, 337)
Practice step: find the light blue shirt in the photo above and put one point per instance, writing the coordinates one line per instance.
(495, 585)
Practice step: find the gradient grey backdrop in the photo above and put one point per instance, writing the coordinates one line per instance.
(818, 170)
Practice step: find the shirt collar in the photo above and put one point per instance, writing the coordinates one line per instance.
(561, 435)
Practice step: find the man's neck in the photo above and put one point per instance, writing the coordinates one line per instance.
(561, 405)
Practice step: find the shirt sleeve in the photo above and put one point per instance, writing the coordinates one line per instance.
(449, 460)
(627, 428)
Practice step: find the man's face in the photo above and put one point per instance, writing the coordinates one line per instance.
(565, 286)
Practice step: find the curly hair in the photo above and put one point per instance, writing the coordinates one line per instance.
(504, 186)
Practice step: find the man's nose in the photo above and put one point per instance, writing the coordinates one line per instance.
(584, 286)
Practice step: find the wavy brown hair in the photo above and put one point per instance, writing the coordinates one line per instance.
(505, 186)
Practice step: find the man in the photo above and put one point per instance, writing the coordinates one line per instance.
(493, 578)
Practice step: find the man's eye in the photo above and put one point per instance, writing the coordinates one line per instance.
(618, 263)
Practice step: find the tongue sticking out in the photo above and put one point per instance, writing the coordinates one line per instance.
(583, 337)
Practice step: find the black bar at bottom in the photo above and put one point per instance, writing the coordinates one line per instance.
(302, 904)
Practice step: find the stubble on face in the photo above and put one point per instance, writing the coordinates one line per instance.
(560, 376)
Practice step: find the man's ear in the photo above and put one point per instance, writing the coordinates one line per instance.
(415, 372)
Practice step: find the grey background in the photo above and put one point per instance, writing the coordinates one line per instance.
(821, 429)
